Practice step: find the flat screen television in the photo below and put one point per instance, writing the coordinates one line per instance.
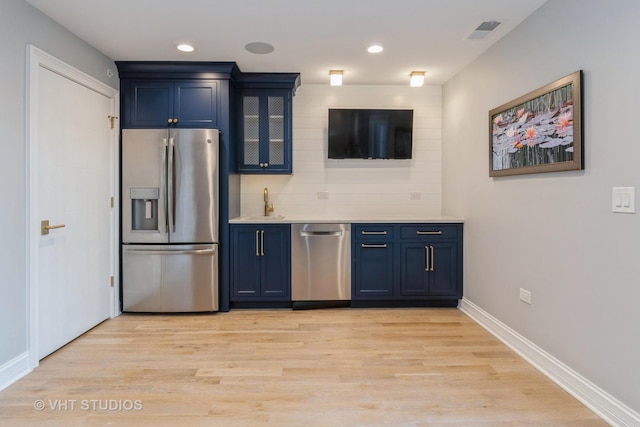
(370, 134)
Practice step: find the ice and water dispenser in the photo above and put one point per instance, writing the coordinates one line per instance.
(144, 209)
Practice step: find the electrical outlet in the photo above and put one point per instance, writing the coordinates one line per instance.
(415, 195)
(525, 296)
(323, 195)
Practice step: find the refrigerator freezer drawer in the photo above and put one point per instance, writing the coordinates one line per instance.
(170, 278)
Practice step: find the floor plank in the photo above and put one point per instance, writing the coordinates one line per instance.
(330, 367)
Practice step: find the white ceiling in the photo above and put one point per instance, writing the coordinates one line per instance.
(309, 36)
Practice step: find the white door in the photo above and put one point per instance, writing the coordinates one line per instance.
(75, 176)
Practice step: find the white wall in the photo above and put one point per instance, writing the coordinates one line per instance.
(555, 234)
(357, 188)
(21, 24)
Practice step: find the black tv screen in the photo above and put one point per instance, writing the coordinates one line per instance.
(370, 134)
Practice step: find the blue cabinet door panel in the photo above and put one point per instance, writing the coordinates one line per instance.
(414, 279)
(275, 268)
(444, 278)
(150, 104)
(196, 104)
(373, 268)
(245, 268)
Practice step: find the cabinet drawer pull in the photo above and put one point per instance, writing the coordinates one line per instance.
(261, 242)
(422, 233)
(257, 242)
(377, 233)
(384, 245)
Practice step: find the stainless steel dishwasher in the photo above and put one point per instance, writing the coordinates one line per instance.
(320, 265)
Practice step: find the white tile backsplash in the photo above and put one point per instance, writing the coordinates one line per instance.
(357, 188)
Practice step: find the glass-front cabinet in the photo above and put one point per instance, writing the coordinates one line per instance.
(265, 131)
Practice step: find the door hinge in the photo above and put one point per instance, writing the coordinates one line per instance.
(113, 202)
(111, 119)
(112, 281)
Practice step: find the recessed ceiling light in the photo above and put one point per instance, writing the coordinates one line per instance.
(259, 48)
(375, 48)
(185, 48)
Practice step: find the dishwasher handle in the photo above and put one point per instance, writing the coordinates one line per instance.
(320, 233)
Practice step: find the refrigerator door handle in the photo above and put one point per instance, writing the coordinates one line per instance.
(163, 184)
(170, 187)
(171, 252)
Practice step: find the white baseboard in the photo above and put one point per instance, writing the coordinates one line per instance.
(592, 396)
(13, 370)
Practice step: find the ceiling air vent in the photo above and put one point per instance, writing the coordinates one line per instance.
(483, 29)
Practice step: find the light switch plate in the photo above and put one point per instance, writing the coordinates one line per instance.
(623, 200)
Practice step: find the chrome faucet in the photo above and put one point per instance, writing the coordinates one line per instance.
(267, 208)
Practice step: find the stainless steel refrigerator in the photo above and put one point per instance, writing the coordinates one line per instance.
(170, 220)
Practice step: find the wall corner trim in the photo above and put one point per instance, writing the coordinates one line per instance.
(599, 401)
(14, 369)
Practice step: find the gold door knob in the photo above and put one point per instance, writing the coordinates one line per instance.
(45, 227)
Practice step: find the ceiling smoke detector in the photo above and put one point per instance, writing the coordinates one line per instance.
(483, 29)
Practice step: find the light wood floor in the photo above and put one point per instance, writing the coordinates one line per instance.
(336, 367)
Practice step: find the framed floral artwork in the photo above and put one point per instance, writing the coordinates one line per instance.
(538, 132)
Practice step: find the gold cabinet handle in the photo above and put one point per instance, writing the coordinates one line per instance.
(45, 227)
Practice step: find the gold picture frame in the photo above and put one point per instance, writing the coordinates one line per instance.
(538, 132)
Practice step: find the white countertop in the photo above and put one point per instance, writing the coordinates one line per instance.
(279, 219)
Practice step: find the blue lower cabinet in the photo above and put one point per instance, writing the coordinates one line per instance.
(428, 269)
(260, 262)
(407, 263)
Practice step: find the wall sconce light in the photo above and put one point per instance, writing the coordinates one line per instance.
(416, 78)
(335, 77)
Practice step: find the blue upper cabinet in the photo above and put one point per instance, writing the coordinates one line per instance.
(158, 103)
(265, 132)
(265, 123)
